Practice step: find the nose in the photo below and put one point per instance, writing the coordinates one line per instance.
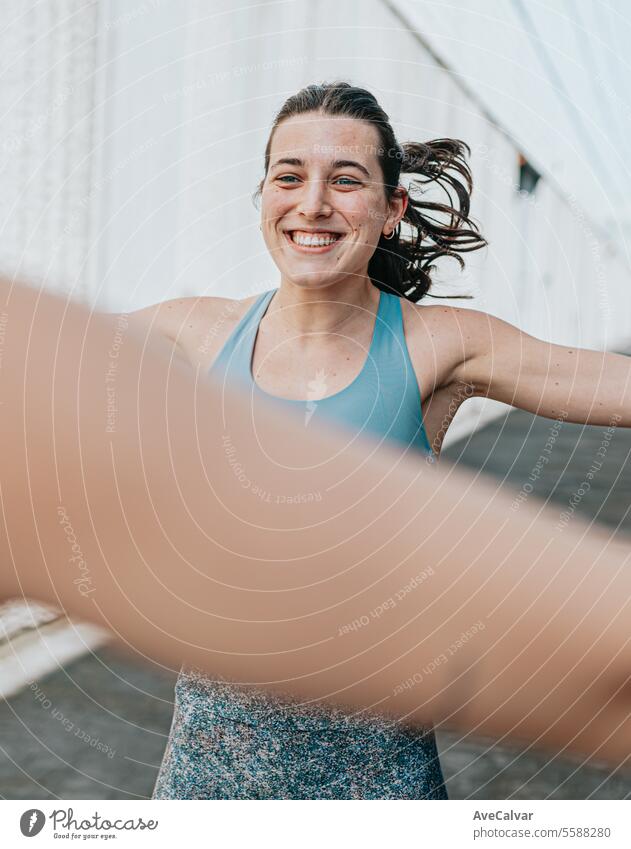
(314, 200)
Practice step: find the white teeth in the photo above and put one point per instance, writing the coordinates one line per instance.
(312, 241)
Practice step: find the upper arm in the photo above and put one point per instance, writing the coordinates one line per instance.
(504, 363)
(490, 354)
(491, 358)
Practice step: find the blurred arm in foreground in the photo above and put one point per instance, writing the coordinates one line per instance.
(200, 529)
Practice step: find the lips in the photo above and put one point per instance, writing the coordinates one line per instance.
(313, 233)
(318, 232)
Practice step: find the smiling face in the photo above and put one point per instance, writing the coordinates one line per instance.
(324, 204)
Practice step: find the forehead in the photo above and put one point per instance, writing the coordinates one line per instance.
(320, 139)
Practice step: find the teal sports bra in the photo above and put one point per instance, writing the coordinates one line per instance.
(383, 400)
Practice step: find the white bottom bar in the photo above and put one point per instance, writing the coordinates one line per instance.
(317, 824)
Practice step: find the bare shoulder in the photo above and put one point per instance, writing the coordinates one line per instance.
(439, 340)
(199, 326)
(428, 318)
(444, 335)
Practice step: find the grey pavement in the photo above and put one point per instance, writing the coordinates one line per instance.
(510, 450)
(97, 729)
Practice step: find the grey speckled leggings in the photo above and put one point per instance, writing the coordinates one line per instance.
(231, 742)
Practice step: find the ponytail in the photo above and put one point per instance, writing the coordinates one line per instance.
(404, 263)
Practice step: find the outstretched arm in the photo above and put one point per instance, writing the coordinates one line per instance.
(502, 362)
(200, 529)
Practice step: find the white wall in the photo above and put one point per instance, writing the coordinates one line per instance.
(49, 54)
(557, 75)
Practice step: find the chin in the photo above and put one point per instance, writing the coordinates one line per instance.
(312, 281)
(307, 278)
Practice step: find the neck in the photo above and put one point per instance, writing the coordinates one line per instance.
(326, 308)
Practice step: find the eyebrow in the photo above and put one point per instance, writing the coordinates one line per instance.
(337, 163)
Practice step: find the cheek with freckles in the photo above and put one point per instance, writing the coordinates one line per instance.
(274, 204)
(368, 219)
(366, 234)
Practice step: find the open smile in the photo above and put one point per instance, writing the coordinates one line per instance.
(311, 242)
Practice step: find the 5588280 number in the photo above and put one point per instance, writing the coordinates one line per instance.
(585, 832)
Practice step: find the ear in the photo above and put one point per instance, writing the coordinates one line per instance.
(398, 206)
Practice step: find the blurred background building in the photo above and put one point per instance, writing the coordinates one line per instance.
(133, 133)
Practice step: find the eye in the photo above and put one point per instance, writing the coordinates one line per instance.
(290, 179)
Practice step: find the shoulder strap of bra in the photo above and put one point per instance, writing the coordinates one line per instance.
(389, 320)
(239, 343)
(255, 312)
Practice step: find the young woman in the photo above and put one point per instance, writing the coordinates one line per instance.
(343, 339)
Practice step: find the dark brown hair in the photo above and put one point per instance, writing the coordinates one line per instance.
(402, 265)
